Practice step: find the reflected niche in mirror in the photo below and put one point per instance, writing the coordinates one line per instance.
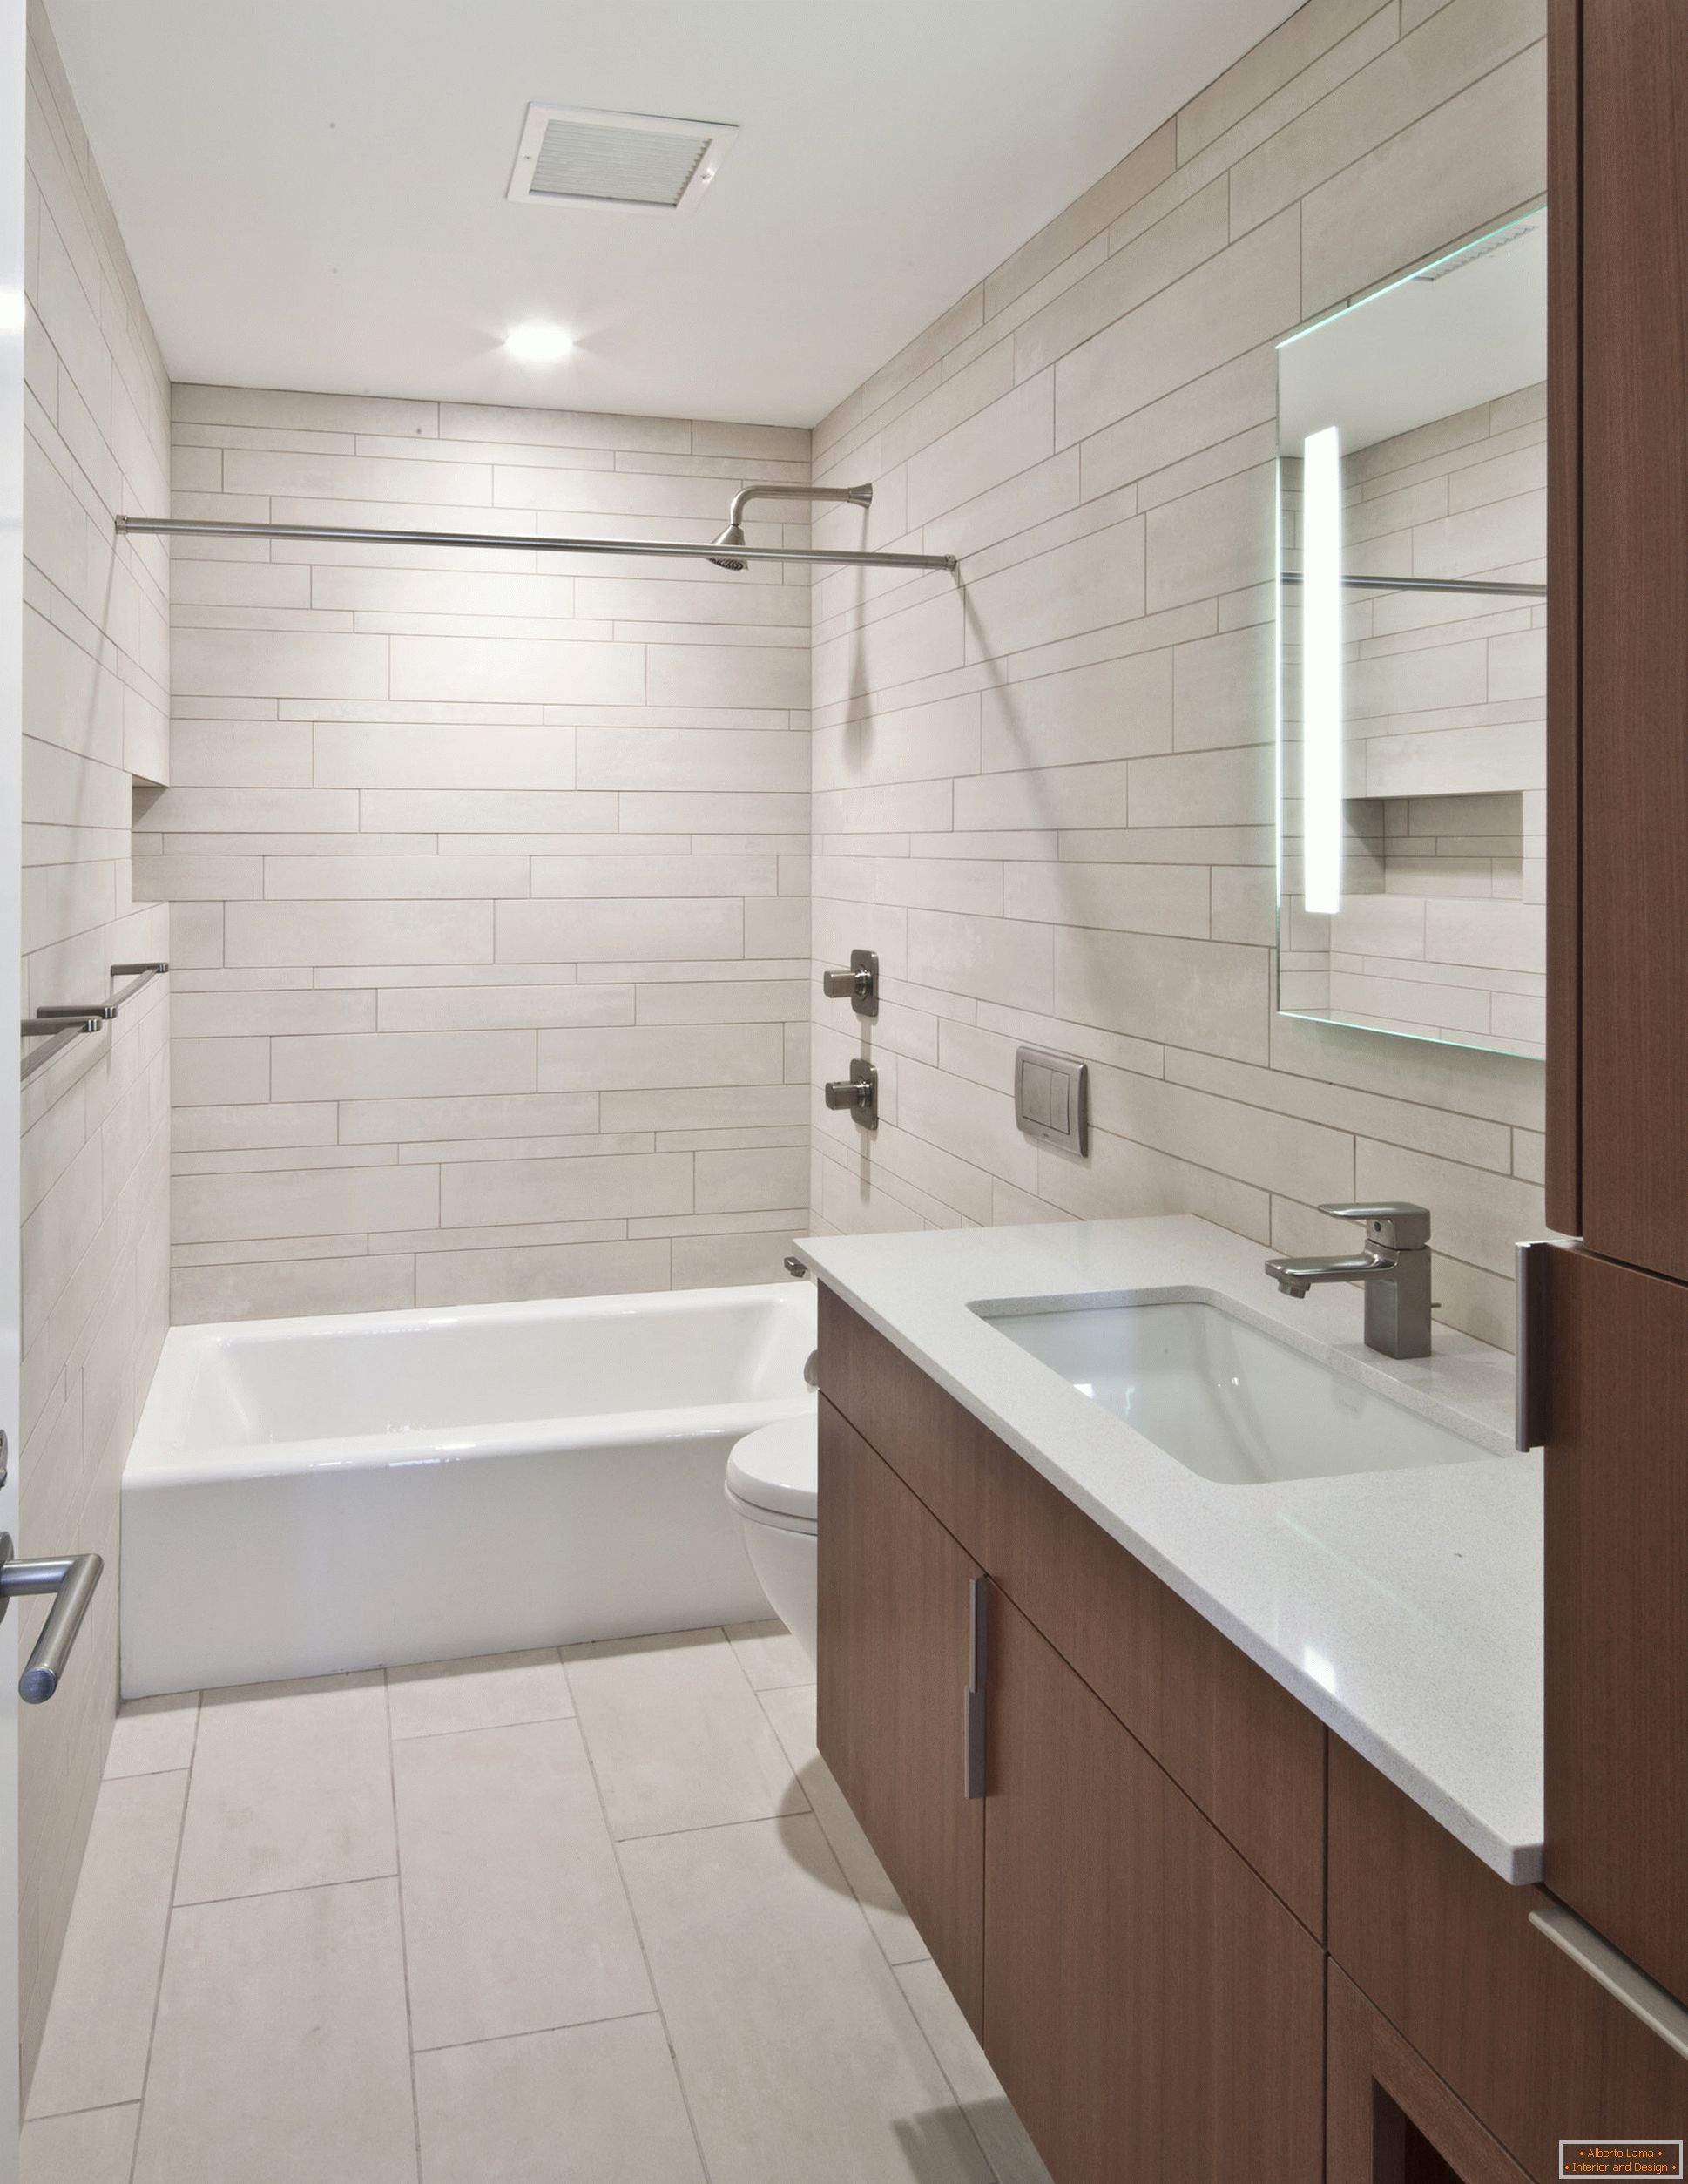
(1412, 442)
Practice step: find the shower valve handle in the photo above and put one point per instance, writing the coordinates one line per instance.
(858, 1093)
(859, 985)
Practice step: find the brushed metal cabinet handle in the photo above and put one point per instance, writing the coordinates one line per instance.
(973, 1716)
(1660, 2013)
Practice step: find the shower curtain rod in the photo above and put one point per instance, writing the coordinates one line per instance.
(178, 524)
(1473, 584)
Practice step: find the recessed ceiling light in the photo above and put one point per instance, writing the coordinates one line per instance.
(538, 344)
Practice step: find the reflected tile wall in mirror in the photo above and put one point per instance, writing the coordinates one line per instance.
(1413, 539)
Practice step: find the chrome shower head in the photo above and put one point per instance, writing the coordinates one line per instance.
(858, 496)
(733, 535)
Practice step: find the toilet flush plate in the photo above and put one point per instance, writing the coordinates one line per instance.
(1052, 1099)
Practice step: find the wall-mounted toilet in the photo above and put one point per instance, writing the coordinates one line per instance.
(772, 1483)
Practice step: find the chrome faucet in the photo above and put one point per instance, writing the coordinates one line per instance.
(1395, 1269)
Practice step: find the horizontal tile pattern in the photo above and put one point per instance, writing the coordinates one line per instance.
(503, 828)
(1047, 797)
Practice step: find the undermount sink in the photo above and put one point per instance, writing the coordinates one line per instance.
(1228, 1400)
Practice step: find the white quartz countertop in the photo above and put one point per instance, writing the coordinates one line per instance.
(1404, 1608)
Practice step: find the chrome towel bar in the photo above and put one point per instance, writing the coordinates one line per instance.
(60, 1024)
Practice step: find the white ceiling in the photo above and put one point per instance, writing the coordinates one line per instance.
(313, 191)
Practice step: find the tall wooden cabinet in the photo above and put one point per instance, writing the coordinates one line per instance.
(1611, 1364)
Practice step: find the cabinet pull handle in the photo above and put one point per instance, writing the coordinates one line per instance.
(1534, 1273)
(973, 1716)
(1529, 1425)
(1660, 2013)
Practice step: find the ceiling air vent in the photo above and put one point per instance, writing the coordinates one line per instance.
(573, 155)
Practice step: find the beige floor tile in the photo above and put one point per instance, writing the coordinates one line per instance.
(797, 2049)
(597, 2105)
(1013, 2158)
(792, 1713)
(492, 1692)
(292, 1789)
(94, 2050)
(769, 1655)
(95, 2147)
(281, 2054)
(516, 1919)
(675, 1735)
(153, 1736)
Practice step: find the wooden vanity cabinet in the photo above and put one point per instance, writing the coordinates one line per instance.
(1151, 2007)
(1149, 1995)
(1389, 2119)
(1200, 1941)
(894, 1614)
(1515, 2034)
(1244, 1752)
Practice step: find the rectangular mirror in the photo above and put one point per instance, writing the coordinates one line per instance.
(1412, 621)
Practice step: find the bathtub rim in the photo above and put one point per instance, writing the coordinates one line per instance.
(158, 1458)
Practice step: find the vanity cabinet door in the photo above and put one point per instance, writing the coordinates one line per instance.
(1151, 2008)
(894, 1671)
(1389, 2119)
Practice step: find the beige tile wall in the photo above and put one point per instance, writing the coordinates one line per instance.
(94, 1148)
(1047, 796)
(487, 871)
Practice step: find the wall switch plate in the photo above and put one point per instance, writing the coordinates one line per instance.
(1052, 1099)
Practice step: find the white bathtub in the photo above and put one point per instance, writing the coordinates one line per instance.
(310, 1495)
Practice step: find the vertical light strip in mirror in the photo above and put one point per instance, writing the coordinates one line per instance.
(1322, 670)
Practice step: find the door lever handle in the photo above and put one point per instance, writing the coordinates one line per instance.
(72, 1579)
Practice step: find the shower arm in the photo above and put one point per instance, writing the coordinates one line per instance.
(859, 495)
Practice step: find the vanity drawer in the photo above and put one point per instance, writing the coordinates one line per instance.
(1239, 1747)
(1444, 1948)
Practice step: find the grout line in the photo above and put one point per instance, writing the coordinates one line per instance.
(478, 1728)
(164, 1953)
(804, 1811)
(540, 2032)
(404, 1945)
(295, 1888)
(963, 2107)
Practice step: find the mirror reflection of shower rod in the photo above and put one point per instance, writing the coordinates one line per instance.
(1473, 584)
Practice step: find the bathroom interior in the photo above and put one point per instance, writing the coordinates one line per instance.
(851, 1311)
